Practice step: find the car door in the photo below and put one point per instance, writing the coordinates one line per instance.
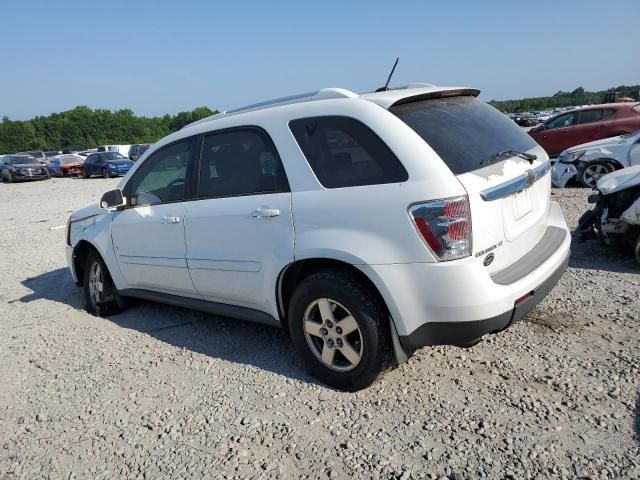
(239, 228)
(88, 164)
(148, 236)
(587, 127)
(556, 135)
(96, 167)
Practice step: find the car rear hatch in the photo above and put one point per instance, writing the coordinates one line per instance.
(508, 194)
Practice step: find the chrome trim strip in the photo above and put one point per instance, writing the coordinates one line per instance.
(517, 184)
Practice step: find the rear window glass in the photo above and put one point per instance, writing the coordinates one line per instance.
(463, 131)
(343, 152)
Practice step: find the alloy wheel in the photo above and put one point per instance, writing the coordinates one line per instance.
(593, 173)
(96, 284)
(333, 334)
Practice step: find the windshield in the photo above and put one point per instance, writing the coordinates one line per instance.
(22, 160)
(113, 156)
(463, 131)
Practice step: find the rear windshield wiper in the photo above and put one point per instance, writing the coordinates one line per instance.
(508, 153)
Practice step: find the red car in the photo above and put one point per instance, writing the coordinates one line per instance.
(586, 124)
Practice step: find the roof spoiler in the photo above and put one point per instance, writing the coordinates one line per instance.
(458, 92)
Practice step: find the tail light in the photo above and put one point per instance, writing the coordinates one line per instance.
(445, 226)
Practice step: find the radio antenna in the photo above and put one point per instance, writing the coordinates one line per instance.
(386, 85)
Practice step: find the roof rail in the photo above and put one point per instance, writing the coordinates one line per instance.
(322, 94)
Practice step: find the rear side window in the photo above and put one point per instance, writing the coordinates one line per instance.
(463, 130)
(588, 116)
(343, 152)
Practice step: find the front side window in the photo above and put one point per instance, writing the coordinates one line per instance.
(344, 152)
(162, 177)
(588, 116)
(239, 162)
(562, 121)
(608, 113)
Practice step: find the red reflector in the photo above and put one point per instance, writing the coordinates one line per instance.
(523, 298)
(427, 234)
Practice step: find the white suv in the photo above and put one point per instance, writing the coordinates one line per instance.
(366, 225)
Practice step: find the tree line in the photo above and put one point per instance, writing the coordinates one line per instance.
(86, 128)
(579, 96)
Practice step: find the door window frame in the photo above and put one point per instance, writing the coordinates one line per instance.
(188, 177)
(563, 126)
(602, 110)
(285, 188)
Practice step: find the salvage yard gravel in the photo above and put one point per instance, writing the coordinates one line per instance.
(162, 392)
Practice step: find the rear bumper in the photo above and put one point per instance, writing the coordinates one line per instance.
(457, 302)
(460, 333)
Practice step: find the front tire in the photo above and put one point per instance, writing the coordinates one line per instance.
(105, 173)
(341, 330)
(592, 172)
(84, 173)
(101, 297)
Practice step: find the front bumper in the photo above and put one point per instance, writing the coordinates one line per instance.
(561, 173)
(70, 263)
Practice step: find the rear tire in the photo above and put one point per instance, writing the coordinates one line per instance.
(341, 330)
(636, 250)
(101, 297)
(84, 174)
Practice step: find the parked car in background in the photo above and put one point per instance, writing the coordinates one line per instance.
(21, 167)
(525, 119)
(588, 162)
(72, 150)
(421, 216)
(37, 154)
(105, 164)
(585, 124)
(51, 154)
(86, 153)
(615, 219)
(121, 149)
(65, 165)
(136, 151)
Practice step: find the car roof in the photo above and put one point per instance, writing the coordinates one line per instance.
(386, 99)
(617, 106)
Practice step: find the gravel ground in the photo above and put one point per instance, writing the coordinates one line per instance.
(161, 392)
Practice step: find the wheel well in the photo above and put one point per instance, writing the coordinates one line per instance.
(612, 161)
(80, 253)
(296, 272)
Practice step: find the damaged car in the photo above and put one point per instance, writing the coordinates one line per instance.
(589, 162)
(616, 216)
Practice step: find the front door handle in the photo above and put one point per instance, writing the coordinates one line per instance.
(169, 220)
(265, 212)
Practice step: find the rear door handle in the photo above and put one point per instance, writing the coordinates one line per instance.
(265, 212)
(169, 220)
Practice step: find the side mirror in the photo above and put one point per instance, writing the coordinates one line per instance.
(112, 199)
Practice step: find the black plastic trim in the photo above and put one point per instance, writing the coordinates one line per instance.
(543, 250)
(214, 308)
(461, 333)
